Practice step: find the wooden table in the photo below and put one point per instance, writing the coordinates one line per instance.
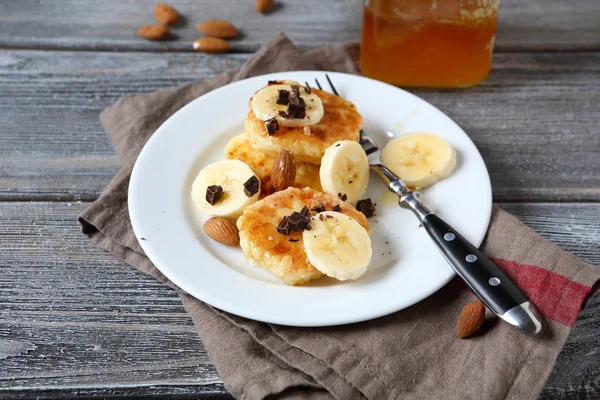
(75, 321)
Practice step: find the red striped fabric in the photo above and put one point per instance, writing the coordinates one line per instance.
(556, 297)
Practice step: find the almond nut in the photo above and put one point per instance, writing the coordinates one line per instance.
(211, 45)
(165, 14)
(222, 230)
(263, 6)
(470, 319)
(154, 32)
(217, 28)
(283, 173)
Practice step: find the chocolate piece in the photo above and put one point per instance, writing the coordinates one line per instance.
(306, 212)
(319, 208)
(213, 194)
(297, 111)
(272, 126)
(275, 82)
(296, 222)
(251, 186)
(297, 106)
(296, 90)
(293, 240)
(329, 216)
(343, 197)
(283, 97)
(337, 208)
(321, 218)
(284, 226)
(283, 114)
(366, 207)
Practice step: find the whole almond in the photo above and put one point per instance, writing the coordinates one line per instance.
(165, 14)
(217, 28)
(222, 230)
(470, 319)
(211, 45)
(263, 6)
(154, 32)
(283, 173)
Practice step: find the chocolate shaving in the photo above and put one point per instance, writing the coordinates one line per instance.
(329, 216)
(293, 240)
(321, 218)
(251, 186)
(283, 114)
(337, 208)
(319, 208)
(213, 194)
(366, 207)
(283, 97)
(272, 126)
(343, 197)
(275, 82)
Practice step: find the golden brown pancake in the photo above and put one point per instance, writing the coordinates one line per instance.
(239, 148)
(340, 121)
(264, 247)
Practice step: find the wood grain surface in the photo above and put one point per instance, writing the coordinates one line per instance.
(111, 25)
(535, 119)
(76, 322)
(82, 320)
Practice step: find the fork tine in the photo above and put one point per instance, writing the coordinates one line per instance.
(331, 84)
(307, 85)
(318, 84)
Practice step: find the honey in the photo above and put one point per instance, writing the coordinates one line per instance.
(439, 43)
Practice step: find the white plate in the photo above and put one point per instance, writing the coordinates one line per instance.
(406, 266)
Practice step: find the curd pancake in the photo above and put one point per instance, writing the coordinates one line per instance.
(239, 148)
(339, 121)
(283, 254)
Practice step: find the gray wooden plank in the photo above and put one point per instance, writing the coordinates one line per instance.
(111, 25)
(75, 321)
(535, 119)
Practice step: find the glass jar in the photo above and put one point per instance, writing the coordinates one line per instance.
(439, 43)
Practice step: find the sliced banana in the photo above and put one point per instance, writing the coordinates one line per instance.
(337, 245)
(344, 171)
(231, 176)
(265, 107)
(420, 159)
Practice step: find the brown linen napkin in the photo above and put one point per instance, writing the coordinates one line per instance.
(412, 354)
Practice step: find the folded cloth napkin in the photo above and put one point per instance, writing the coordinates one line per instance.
(412, 354)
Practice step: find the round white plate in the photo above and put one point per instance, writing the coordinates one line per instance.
(406, 267)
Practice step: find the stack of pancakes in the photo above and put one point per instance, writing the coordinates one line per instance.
(262, 244)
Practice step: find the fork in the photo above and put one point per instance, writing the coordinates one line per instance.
(485, 278)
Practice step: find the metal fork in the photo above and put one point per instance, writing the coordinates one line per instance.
(485, 278)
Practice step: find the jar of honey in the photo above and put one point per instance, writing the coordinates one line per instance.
(439, 43)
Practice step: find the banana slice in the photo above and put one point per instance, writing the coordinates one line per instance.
(231, 175)
(264, 105)
(344, 171)
(420, 159)
(337, 245)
